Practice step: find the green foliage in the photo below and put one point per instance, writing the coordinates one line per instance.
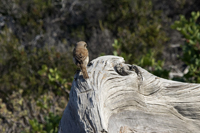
(118, 52)
(50, 125)
(190, 30)
(137, 26)
(32, 14)
(30, 115)
(140, 36)
(55, 78)
(34, 85)
(21, 68)
(156, 67)
(36, 127)
(52, 122)
(147, 60)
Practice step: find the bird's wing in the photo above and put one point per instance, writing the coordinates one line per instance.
(80, 55)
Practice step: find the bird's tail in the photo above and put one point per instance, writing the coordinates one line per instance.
(84, 71)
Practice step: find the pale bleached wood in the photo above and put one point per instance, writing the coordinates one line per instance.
(123, 98)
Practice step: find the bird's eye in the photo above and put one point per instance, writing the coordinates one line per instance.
(85, 45)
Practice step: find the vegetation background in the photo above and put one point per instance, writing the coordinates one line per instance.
(37, 38)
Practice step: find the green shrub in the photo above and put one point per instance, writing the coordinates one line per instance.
(146, 61)
(190, 30)
(30, 115)
(19, 67)
(49, 126)
(139, 33)
(138, 28)
(34, 85)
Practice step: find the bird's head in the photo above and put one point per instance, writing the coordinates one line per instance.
(81, 44)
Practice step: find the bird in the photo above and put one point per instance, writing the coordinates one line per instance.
(81, 57)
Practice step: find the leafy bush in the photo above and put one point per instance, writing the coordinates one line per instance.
(34, 85)
(19, 67)
(146, 61)
(138, 28)
(190, 30)
(140, 36)
(50, 125)
(30, 115)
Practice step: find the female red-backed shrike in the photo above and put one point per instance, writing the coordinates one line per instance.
(81, 57)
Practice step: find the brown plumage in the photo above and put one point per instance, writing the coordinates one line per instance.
(81, 58)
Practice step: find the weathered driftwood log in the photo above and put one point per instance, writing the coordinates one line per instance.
(123, 98)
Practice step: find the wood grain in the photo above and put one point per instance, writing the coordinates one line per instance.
(124, 98)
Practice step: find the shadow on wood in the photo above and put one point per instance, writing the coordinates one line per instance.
(123, 98)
